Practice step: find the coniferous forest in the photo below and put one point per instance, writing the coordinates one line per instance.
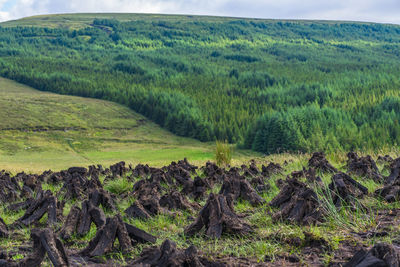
(271, 86)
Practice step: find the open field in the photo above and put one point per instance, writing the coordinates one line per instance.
(41, 130)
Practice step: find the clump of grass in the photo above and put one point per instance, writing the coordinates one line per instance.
(223, 153)
(119, 186)
(354, 217)
(18, 257)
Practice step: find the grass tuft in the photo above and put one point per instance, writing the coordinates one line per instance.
(223, 153)
(119, 186)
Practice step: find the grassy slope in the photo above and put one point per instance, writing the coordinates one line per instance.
(76, 21)
(41, 130)
(340, 62)
(20, 150)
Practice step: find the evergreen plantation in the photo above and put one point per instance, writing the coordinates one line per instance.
(270, 86)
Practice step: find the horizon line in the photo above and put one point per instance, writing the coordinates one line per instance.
(202, 15)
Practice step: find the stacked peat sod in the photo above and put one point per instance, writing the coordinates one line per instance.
(79, 220)
(344, 190)
(108, 229)
(391, 190)
(44, 202)
(319, 162)
(297, 203)
(174, 200)
(44, 242)
(380, 255)
(78, 183)
(217, 217)
(152, 198)
(161, 190)
(118, 170)
(270, 169)
(169, 255)
(3, 228)
(310, 174)
(11, 191)
(236, 186)
(147, 196)
(213, 172)
(258, 179)
(114, 228)
(197, 189)
(363, 166)
(385, 159)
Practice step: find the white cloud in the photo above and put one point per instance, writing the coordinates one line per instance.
(4, 16)
(361, 10)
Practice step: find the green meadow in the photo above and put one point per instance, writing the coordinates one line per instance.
(41, 130)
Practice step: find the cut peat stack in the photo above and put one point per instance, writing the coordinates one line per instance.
(44, 203)
(381, 255)
(174, 200)
(345, 190)
(9, 188)
(169, 255)
(79, 220)
(309, 174)
(259, 184)
(89, 214)
(101, 197)
(77, 184)
(71, 223)
(118, 169)
(320, 163)
(114, 229)
(297, 203)
(238, 187)
(213, 173)
(197, 189)
(218, 217)
(391, 191)
(3, 228)
(363, 166)
(271, 168)
(44, 241)
(394, 172)
(147, 202)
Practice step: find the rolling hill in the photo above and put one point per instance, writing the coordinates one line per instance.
(267, 85)
(41, 130)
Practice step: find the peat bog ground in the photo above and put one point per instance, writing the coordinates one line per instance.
(295, 212)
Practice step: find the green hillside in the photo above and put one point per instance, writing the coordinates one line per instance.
(83, 20)
(268, 85)
(42, 130)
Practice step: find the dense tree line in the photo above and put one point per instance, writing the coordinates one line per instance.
(270, 86)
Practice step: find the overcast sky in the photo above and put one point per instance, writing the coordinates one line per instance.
(387, 11)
